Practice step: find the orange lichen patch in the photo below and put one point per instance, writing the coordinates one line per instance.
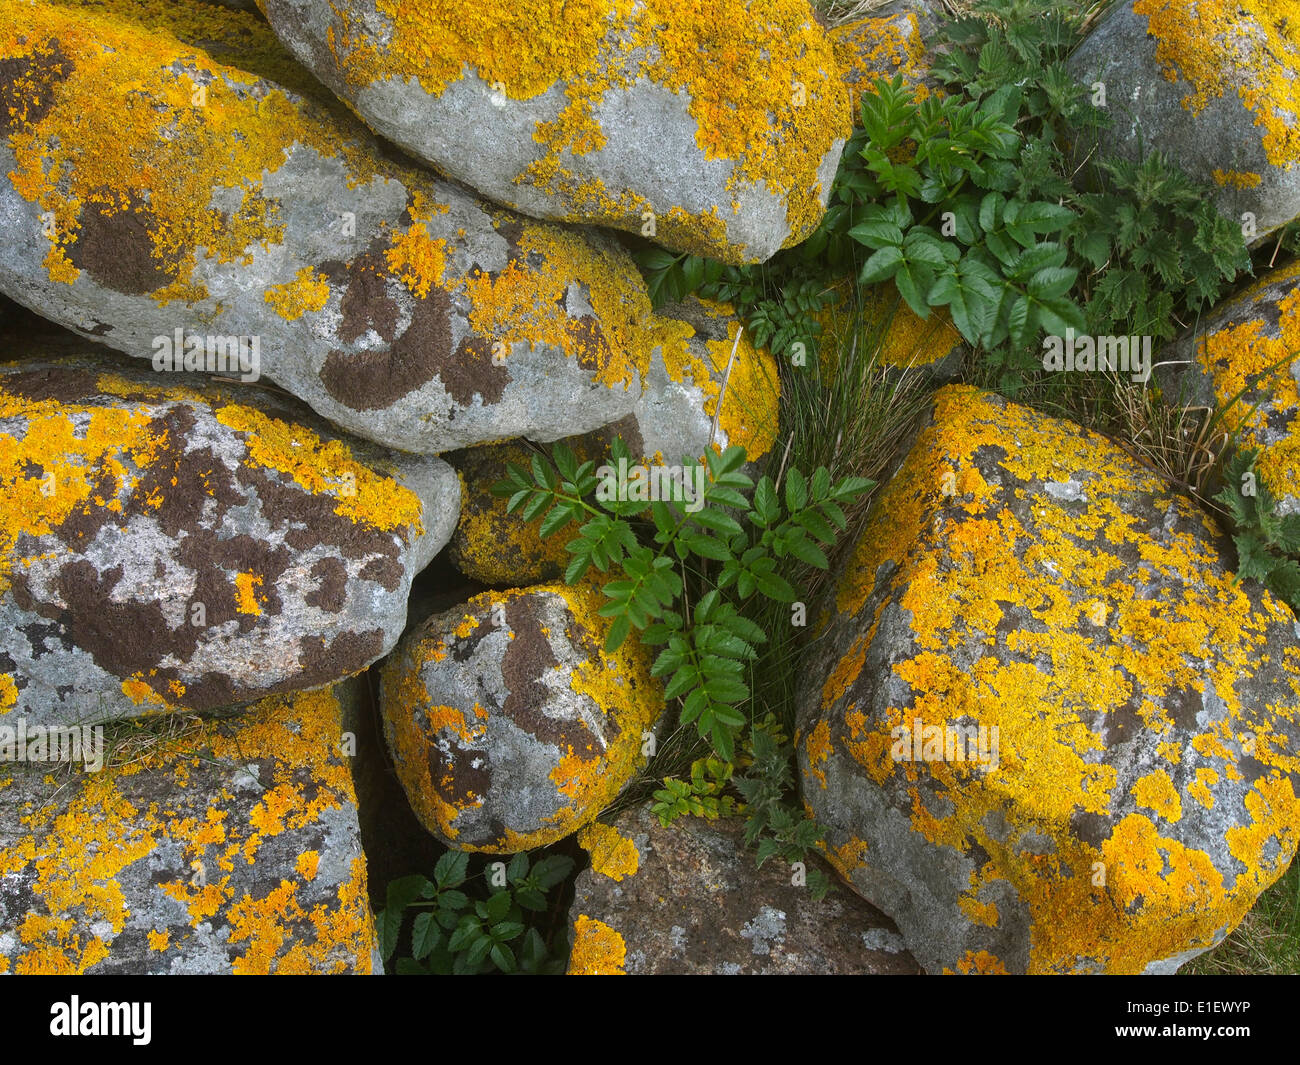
(985, 913)
(750, 407)
(181, 125)
(1252, 46)
(850, 855)
(307, 864)
(1155, 791)
(308, 291)
(885, 326)
(1200, 790)
(240, 36)
(1248, 357)
(612, 854)
(48, 465)
(617, 689)
(8, 693)
(246, 598)
(781, 75)
(598, 950)
(1238, 179)
(818, 746)
(417, 259)
(142, 693)
(846, 671)
(979, 963)
(77, 856)
(1269, 839)
(326, 468)
(492, 545)
(272, 927)
(90, 843)
(1000, 582)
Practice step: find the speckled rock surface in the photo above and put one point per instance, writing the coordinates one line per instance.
(228, 847)
(393, 303)
(609, 111)
(891, 40)
(167, 542)
(688, 899)
(509, 727)
(1215, 85)
(1210, 366)
(1023, 574)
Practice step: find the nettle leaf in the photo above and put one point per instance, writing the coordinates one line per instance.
(1254, 560)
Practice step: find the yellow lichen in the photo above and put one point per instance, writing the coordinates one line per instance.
(616, 687)
(326, 468)
(308, 291)
(246, 599)
(612, 854)
(181, 125)
(598, 950)
(1252, 360)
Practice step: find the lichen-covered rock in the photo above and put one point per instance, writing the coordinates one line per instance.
(688, 899)
(169, 543)
(215, 206)
(1215, 85)
(228, 847)
(1242, 359)
(1044, 726)
(891, 40)
(722, 123)
(509, 726)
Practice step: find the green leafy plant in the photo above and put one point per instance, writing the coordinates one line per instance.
(454, 934)
(1263, 538)
(702, 796)
(1147, 243)
(774, 826)
(735, 543)
(952, 231)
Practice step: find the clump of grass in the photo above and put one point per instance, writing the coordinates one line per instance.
(1267, 942)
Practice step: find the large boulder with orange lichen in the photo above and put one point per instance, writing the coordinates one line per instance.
(720, 125)
(509, 727)
(229, 846)
(1045, 727)
(167, 543)
(685, 898)
(215, 210)
(1243, 361)
(1215, 86)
